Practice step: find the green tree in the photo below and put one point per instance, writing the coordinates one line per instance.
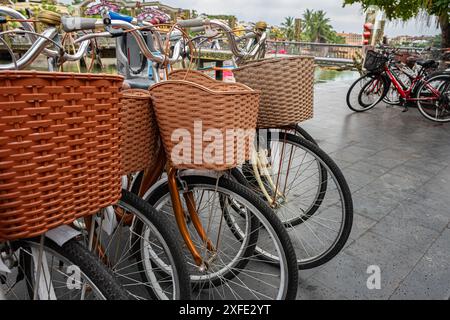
(407, 9)
(317, 28)
(289, 28)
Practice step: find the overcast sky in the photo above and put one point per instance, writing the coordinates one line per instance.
(348, 19)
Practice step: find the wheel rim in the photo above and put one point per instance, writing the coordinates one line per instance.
(242, 283)
(139, 256)
(304, 233)
(433, 108)
(62, 280)
(366, 92)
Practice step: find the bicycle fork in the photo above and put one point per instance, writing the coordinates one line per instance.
(181, 220)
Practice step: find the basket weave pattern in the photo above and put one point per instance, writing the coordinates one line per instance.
(287, 89)
(59, 149)
(179, 104)
(140, 137)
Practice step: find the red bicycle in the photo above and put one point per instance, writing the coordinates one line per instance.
(430, 94)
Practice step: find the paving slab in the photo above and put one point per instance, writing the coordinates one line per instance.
(430, 277)
(397, 165)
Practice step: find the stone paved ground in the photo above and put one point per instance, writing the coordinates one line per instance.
(398, 168)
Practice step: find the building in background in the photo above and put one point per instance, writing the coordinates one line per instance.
(351, 38)
(412, 41)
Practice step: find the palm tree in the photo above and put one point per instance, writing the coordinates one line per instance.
(289, 28)
(317, 26)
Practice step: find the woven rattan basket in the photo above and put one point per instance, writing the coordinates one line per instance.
(193, 76)
(59, 149)
(140, 138)
(287, 89)
(186, 110)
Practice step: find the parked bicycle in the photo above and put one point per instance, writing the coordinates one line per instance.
(132, 225)
(431, 94)
(220, 265)
(289, 171)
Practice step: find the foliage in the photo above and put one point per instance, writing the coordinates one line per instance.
(317, 28)
(288, 28)
(406, 9)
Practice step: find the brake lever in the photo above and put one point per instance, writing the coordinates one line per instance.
(115, 33)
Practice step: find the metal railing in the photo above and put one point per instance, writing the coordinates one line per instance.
(318, 50)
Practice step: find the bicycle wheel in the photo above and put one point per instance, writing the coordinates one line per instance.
(299, 131)
(246, 175)
(392, 96)
(68, 272)
(292, 181)
(235, 270)
(433, 98)
(141, 249)
(366, 92)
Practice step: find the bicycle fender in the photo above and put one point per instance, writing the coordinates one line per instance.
(62, 234)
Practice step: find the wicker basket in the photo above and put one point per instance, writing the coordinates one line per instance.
(230, 110)
(204, 80)
(375, 61)
(193, 76)
(287, 89)
(140, 138)
(59, 149)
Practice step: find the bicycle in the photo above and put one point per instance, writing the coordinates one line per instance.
(269, 173)
(40, 257)
(430, 94)
(131, 218)
(220, 266)
(65, 271)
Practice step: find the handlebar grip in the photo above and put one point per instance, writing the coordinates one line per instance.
(117, 16)
(198, 29)
(191, 23)
(75, 24)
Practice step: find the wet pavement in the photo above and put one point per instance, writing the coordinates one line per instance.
(397, 165)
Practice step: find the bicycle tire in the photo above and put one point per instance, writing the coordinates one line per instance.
(145, 247)
(287, 252)
(246, 178)
(78, 255)
(365, 107)
(171, 238)
(446, 78)
(347, 217)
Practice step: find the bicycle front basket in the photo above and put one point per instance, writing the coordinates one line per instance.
(59, 149)
(374, 61)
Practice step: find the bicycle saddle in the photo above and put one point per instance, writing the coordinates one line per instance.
(426, 63)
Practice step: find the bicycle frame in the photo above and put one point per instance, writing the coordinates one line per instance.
(150, 177)
(406, 94)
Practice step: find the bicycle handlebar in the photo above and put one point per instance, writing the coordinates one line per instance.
(36, 48)
(192, 23)
(233, 40)
(71, 24)
(156, 57)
